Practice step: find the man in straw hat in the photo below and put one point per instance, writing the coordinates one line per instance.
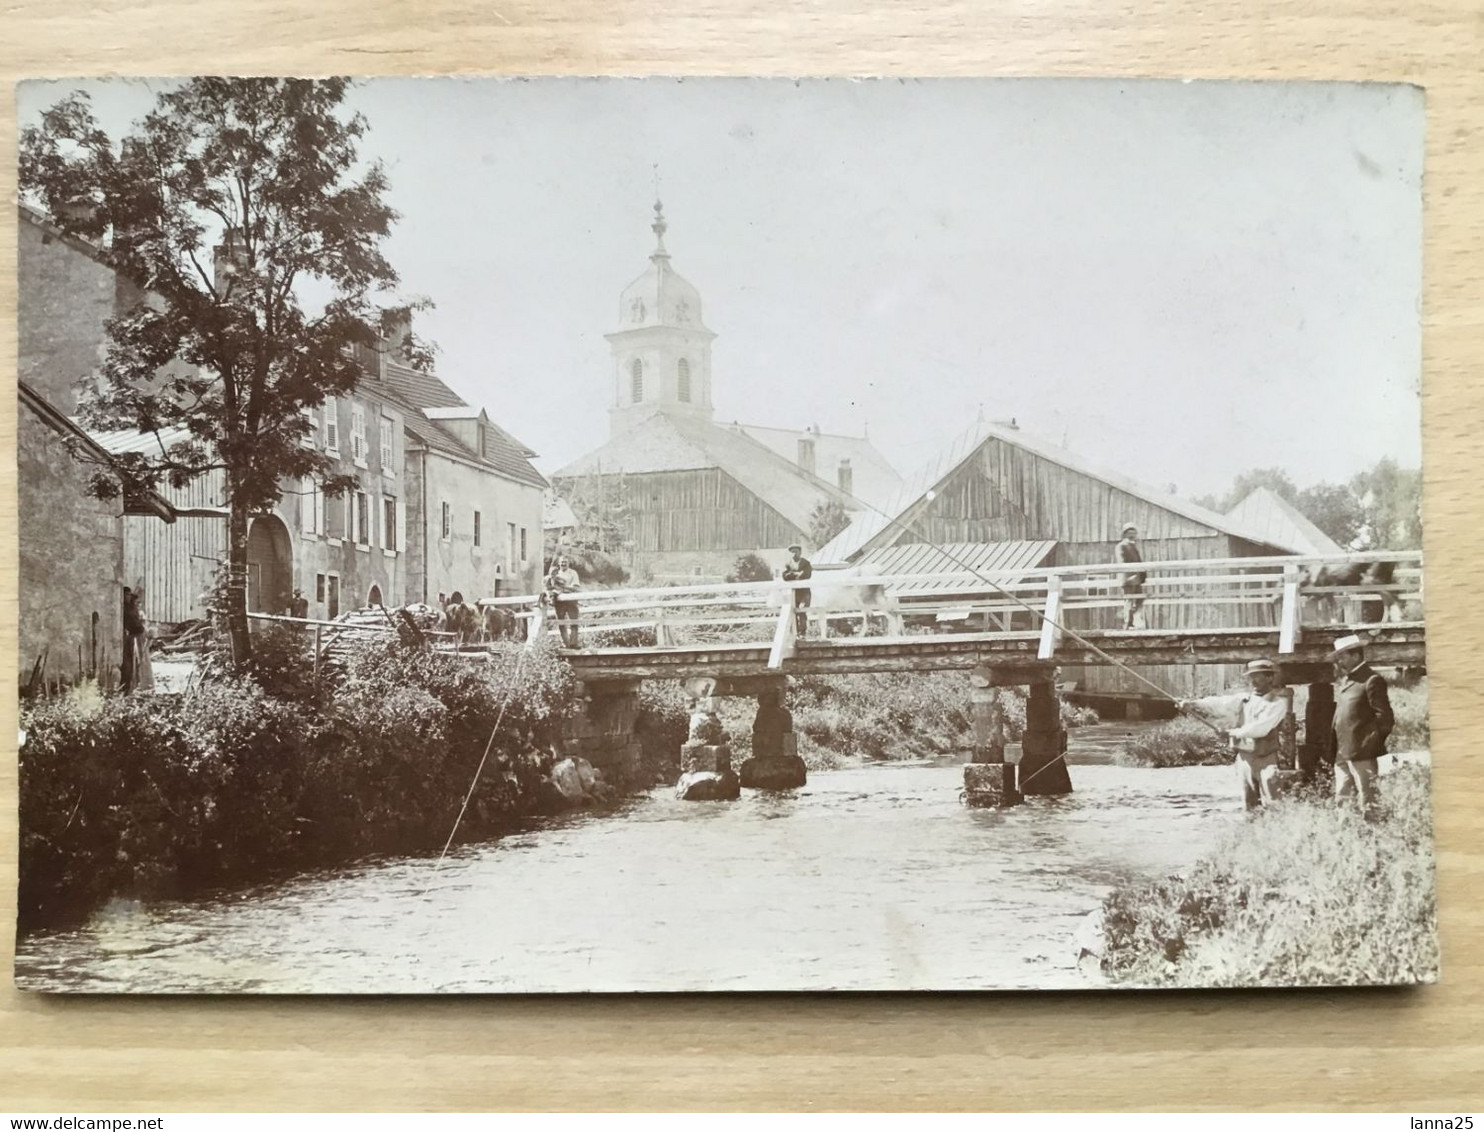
(1127, 550)
(1254, 740)
(1363, 721)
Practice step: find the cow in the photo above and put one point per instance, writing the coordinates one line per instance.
(833, 594)
(1380, 605)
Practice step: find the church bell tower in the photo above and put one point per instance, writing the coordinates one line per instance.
(662, 351)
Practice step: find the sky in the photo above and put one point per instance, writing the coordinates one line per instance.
(1178, 280)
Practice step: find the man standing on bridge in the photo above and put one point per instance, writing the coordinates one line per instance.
(1133, 583)
(1254, 740)
(1363, 722)
(797, 569)
(561, 583)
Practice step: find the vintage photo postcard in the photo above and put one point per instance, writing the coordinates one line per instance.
(580, 535)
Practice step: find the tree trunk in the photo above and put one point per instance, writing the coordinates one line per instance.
(237, 628)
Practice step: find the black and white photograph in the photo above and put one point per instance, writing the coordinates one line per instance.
(578, 535)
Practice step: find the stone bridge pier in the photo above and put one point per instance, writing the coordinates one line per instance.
(988, 779)
(706, 756)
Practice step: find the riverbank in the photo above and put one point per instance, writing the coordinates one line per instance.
(869, 878)
(1305, 894)
(248, 777)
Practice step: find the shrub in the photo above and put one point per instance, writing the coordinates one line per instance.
(1180, 742)
(1409, 705)
(152, 795)
(1301, 895)
(750, 568)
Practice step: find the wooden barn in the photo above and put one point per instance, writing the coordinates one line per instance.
(693, 497)
(999, 485)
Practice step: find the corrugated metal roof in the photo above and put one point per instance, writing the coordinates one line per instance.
(1280, 523)
(119, 441)
(912, 558)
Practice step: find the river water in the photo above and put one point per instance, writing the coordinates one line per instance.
(868, 878)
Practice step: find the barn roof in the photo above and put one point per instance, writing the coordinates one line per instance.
(867, 526)
(668, 442)
(874, 481)
(1280, 523)
(912, 558)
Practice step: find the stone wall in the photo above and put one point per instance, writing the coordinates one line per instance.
(71, 559)
(603, 733)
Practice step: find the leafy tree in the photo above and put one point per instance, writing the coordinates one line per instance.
(265, 173)
(826, 521)
(1274, 479)
(1390, 498)
(750, 568)
(1334, 509)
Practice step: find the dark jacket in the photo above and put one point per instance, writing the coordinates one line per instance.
(1363, 716)
(799, 573)
(1128, 551)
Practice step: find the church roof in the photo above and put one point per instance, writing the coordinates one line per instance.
(1280, 523)
(869, 525)
(672, 443)
(874, 480)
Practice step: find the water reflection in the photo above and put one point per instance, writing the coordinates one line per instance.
(867, 878)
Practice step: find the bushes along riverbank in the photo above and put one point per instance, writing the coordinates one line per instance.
(247, 776)
(1302, 895)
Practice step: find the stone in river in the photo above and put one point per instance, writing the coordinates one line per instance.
(707, 786)
(773, 772)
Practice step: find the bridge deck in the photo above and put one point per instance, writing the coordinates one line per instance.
(1392, 643)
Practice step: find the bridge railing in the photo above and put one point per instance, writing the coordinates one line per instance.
(1284, 593)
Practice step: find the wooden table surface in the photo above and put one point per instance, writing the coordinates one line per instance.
(1417, 1050)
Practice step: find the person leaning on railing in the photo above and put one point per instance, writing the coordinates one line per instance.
(561, 581)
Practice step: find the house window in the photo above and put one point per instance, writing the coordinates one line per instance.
(388, 446)
(319, 588)
(683, 383)
(312, 428)
(523, 544)
(636, 381)
(332, 427)
(358, 433)
(476, 528)
(307, 516)
(336, 524)
(389, 522)
(363, 519)
(510, 547)
(447, 524)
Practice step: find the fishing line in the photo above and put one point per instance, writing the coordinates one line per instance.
(479, 770)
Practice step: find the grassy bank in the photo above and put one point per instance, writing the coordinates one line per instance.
(1304, 894)
(1179, 742)
(250, 775)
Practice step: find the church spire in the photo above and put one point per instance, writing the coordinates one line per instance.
(658, 228)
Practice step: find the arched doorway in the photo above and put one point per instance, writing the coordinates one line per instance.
(270, 565)
(374, 597)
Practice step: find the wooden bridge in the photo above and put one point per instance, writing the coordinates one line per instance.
(1202, 611)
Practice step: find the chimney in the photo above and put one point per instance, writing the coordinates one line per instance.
(845, 477)
(396, 326)
(806, 453)
(228, 260)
